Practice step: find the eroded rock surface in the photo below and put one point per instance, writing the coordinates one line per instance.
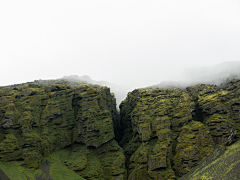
(163, 134)
(165, 142)
(167, 132)
(40, 118)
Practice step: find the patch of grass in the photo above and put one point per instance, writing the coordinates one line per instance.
(58, 171)
(217, 166)
(14, 170)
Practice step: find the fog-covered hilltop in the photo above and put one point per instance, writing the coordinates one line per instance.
(120, 92)
(216, 75)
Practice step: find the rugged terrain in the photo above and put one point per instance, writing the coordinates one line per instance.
(58, 129)
(51, 119)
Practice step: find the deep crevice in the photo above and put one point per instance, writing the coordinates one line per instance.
(75, 107)
(197, 114)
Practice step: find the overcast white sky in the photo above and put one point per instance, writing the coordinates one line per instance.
(131, 42)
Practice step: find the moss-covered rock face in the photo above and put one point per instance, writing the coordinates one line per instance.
(162, 141)
(37, 119)
(194, 143)
(94, 121)
(57, 129)
(105, 162)
(167, 132)
(220, 110)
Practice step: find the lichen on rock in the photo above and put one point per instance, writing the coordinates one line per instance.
(163, 133)
(156, 120)
(38, 119)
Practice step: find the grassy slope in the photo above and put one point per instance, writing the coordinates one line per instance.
(224, 167)
(14, 170)
(57, 171)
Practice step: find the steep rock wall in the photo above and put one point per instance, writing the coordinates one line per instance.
(167, 132)
(162, 140)
(40, 118)
(58, 129)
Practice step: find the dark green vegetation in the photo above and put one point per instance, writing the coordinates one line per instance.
(168, 132)
(71, 127)
(59, 129)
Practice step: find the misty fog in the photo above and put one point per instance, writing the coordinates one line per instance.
(215, 75)
(121, 44)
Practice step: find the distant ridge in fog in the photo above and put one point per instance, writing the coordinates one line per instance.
(217, 75)
(119, 91)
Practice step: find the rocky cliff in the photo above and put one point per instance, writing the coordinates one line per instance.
(58, 129)
(167, 132)
(39, 119)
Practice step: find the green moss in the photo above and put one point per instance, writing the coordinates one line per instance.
(8, 147)
(164, 114)
(46, 116)
(140, 173)
(32, 159)
(224, 166)
(194, 143)
(72, 128)
(14, 170)
(57, 168)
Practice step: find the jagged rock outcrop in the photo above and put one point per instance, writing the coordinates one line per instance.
(57, 129)
(167, 132)
(220, 110)
(162, 140)
(194, 144)
(40, 118)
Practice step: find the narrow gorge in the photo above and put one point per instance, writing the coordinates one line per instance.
(59, 129)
